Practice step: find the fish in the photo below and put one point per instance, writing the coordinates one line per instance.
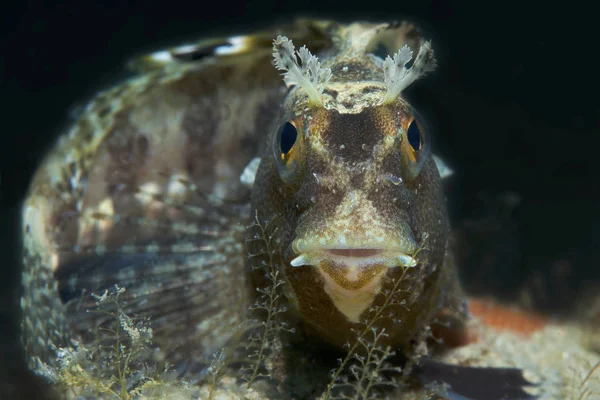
(243, 179)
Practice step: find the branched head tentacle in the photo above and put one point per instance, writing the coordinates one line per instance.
(398, 76)
(305, 73)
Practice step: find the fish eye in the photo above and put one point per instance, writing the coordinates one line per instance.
(287, 137)
(413, 135)
(288, 151)
(414, 146)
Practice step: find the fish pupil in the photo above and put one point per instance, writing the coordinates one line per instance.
(381, 51)
(414, 135)
(287, 137)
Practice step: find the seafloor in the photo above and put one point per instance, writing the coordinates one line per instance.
(560, 359)
(557, 357)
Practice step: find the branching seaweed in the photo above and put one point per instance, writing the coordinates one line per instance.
(115, 365)
(378, 313)
(226, 358)
(215, 369)
(585, 392)
(368, 368)
(269, 302)
(368, 342)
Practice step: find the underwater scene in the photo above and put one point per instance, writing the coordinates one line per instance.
(276, 213)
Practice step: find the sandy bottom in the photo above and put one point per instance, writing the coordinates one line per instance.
(562, 359)
(558, 357)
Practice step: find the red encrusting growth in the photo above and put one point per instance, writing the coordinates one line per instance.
(506, 318)
(491, 314)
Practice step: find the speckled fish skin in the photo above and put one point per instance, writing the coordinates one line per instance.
(143, 191)
(356, 212)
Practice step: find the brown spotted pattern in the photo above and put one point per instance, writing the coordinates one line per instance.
(143, 191)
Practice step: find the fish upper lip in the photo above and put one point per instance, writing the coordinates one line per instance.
(299, 246)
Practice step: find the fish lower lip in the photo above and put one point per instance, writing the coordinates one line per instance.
(357, 257)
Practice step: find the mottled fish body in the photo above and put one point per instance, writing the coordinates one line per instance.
(144, 192)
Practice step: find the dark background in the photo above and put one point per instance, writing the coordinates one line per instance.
(514, 104)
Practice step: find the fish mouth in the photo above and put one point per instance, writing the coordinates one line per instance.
(357, 257)
(354, 252)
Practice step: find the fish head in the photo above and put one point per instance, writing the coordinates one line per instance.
(348, 173)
